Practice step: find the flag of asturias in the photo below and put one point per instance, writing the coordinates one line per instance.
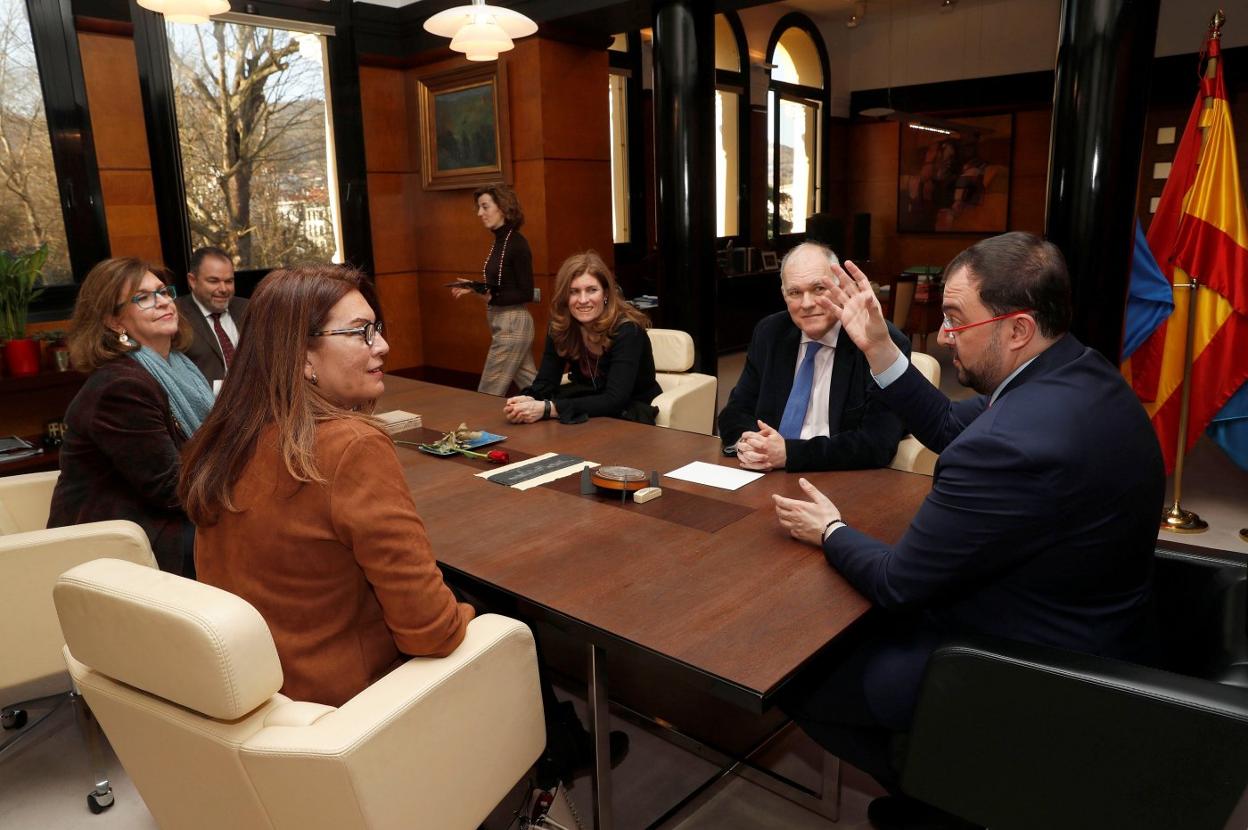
(1200, 231)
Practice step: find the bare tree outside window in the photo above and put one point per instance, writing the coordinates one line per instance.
(30, 207)
(256, 143)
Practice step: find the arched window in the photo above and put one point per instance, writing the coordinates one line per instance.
(731, 91)
(797, 102)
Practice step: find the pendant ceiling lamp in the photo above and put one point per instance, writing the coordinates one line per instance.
(480, 31)
(186, 11)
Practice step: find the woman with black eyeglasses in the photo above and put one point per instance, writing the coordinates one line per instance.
(126, 426)
(299, 499)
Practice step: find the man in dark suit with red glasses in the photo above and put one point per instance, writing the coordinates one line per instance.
(1042, 518)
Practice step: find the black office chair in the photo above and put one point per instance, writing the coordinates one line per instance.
(1015, 736)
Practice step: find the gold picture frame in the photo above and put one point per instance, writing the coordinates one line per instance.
(465, 140)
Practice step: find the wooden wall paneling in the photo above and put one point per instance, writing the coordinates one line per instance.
(530, 183)
(578, 198)
(111, 75)
(400, 301)
(392, 200)
(574, 114)
(524, 99)
(112, 80)
(454, 332)
(130, 205)
(391, 144)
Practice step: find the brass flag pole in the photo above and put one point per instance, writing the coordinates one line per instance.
(1176, 519)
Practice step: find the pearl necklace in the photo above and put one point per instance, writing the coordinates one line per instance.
(485, 279)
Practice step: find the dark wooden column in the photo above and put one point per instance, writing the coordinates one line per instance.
(1100, 98)
(684, 122)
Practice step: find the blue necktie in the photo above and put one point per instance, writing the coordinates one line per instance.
(799, 397)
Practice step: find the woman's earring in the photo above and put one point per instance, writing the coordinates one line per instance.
(125, 340)
(315, 380)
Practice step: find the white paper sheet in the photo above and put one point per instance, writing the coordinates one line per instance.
(714, 475)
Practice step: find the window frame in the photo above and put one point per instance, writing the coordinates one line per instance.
(64, 90)
(739, 83)
(821, 96)
(629, 64)
(342, 97)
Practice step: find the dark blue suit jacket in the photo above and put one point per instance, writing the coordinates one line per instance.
(864, 431)
(1042, 518)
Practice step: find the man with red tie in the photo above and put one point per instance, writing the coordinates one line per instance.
(805, 399)
(215, 314)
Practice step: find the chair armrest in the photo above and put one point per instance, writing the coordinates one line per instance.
(30, 562)
(25, 501)
(435, 743)
(687, 402)
(1022, 736)
(913, 457)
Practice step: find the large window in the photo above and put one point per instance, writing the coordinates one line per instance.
(795, 102)
(730, 86)
(30, 207)
(617, 100)
(256, 142)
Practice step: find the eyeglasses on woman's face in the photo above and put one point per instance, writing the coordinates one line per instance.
(149, 299)
(368, 331)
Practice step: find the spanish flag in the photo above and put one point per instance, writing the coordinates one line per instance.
(1200, 231)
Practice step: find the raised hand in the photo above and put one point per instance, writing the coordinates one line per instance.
(861, 315)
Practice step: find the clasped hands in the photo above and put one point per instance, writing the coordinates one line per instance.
(763, 450)
(524, 409)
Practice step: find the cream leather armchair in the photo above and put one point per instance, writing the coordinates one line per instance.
(912, 456)
(688, 399)
(32, 673)
(184, 680)
(25, 501)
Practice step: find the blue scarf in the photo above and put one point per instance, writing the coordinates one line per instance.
(190, 396)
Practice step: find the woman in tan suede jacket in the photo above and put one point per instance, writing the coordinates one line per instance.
(299, 499)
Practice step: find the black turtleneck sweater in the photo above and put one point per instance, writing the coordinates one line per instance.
(509, 276)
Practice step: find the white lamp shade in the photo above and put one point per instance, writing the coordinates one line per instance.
(481, 41)
(186, 11)
(448, 23)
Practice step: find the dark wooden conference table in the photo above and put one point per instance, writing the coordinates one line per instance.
(702, 578)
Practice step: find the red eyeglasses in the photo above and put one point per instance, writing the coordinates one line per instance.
(947, 327)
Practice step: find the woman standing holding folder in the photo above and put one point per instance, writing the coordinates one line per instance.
(507, 282)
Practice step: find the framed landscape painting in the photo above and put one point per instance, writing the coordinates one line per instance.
(464, 140)
(955, 177)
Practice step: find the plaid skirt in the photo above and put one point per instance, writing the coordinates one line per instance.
(510, 357)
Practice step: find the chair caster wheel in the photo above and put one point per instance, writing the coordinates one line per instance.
(13, 718)
(99, 802)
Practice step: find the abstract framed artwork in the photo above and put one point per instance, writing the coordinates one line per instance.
(955, 178)
(464, 138)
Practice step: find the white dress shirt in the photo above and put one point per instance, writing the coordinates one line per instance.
(227, 322)
(816, 421)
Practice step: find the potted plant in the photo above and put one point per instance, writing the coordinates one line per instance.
(20, 275)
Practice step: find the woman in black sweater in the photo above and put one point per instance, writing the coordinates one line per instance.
(601, 341)
(508, 277)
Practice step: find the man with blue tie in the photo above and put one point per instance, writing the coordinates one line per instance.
(805, 399)
(1042, 519)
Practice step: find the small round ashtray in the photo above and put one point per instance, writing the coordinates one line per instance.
(617, 478)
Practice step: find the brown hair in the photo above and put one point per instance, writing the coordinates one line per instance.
(564, 328)
(1020, 270)
(91, 342)
(266, 386)
(506, 200)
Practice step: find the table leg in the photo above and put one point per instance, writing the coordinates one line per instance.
(600, 728)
